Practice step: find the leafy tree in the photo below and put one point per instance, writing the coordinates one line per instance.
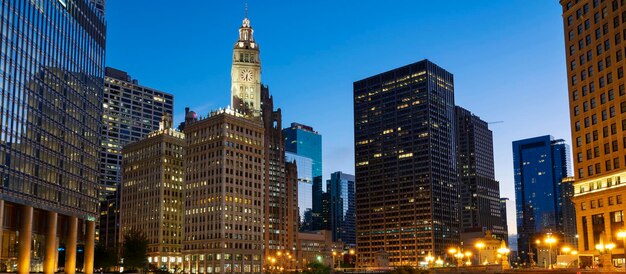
(317, 268)
(104, 258)
(135, 249)
(408, 270)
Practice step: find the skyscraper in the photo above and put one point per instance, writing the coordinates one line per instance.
(406, 178)
(151, 198)
(252, 204)
(131, 111)
(340, 189)
(50, 139)
(304, 141)
(480, 192)
(594, 50)
(539, 166)
(305, 185)
(224, 194)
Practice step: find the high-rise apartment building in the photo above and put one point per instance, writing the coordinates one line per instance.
(50, 113)
(224, 193)
(594, 50)
(480, 192)
(539, 166)
(406, 178)
(340, 189)
(131, 111)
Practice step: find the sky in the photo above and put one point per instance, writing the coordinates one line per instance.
(507, 57)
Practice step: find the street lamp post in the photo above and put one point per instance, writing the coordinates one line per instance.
(550, 240)
(458, 254)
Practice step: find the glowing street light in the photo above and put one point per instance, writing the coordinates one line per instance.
(622, 234)
(566, 250)
(480, 246)
(550, 240)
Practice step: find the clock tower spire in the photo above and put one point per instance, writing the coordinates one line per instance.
(246, 72)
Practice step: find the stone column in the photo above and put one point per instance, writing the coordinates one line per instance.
(1, 223)
(51, 243)
(70, 245)
(25, 240)
(89, 247)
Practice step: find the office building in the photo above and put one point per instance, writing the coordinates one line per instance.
(151, 194)
(109, 221)
(260, 217)
(406, 178)
(480, 192)
(340, 189)
(305, 186)
(51, 103)
(594, 50)
(131, 111)
(281, 184)
(223, 194)
(304, 141)
(539, 166)
(504, 215)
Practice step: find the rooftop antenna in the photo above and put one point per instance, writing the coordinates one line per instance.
(246, 8)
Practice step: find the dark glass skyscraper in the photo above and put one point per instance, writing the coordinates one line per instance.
(340, 189)
(480, 192)
(540, 164)
(51, 82)
(406, 177)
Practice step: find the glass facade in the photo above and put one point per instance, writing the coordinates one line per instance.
(406, 178)
(540, 164)
(305, 182)
(51, 89)
(131, 111)
(304, 141)
(51, 103)
(340, 189)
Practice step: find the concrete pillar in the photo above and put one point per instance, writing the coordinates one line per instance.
(89, 247)
(25, 240)
(1, 223)
(70, 245)
(51, 243)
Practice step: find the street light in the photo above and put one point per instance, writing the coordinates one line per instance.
(622, 234)
(566, 250)
(458, 254)
(480, 246)
(550, 240)
(469, 256)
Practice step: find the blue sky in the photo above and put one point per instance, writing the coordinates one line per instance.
(507, 58)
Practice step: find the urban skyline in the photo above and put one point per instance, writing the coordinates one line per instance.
(210, 67)
(421, 127)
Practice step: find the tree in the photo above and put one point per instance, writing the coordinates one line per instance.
(408, 270)
(317, 268)
(104, 258)
(135, 249)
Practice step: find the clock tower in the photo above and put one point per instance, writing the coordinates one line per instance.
(246, 73)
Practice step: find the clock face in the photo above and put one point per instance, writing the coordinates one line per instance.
(246, 75)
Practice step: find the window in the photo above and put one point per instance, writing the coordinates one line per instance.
(593, 204)
(602, 98)
(604, 115)
(616, 163)
(620, 73)
(583, 206)
(600, 64)
(618, 199)
(611, 201)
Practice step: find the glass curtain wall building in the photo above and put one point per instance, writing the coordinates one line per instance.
(406, 178)
(305, 185)
(540, 164)
(340, 189)
(51, 82)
